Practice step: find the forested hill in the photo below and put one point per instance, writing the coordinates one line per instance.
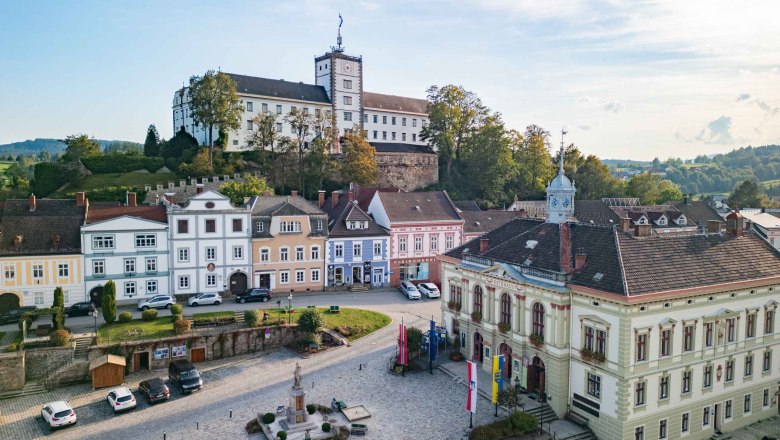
(723, 172)
(53, 146)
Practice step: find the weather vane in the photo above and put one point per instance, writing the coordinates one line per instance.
(563, 133)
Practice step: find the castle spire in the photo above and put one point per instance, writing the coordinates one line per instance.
(563, 133)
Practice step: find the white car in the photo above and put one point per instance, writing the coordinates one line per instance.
(429, 289)
(58, 414)
(408, 289)
(157, 302)
(121, 399)
(205, 298)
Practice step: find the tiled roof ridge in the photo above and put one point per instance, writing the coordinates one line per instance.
(516, 236)
(452, 205)
(623, 279)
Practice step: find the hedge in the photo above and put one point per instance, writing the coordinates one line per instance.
(252, 317)
(176, 309)
(49, 177)
(149, 315)
(125, 317)
(269, 418)
(121, 163)
(111, 194)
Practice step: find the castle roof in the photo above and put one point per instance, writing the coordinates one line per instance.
(279, 88)
(392, 147)
(380, 101)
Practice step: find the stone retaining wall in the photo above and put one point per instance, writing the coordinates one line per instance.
(45, 361)
(11, 371)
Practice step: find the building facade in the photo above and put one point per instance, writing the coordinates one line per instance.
(209, 245)
(40, 250)
(357, 251)
(422, 225)
(288, 243)
(128, 245)
(645, 335)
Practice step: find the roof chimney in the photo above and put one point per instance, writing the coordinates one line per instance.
(334, 198)
(198, 188)
(735, 223)
(642, 230)
(320, 198)
(687, 199)
(294, 193)
(625, 225)
(131, 199)
(351, 196)
(80, 199)
(565, 247)
(483, 245)
(33, 203)
(580, 258)
(713, 226)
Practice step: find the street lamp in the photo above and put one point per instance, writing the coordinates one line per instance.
(289, 308)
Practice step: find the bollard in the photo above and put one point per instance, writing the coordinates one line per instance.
(163, 435)
(231, 413)
(197, 426)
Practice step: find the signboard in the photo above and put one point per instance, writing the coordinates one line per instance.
(179, 351)
(267, 333)
(162, 353)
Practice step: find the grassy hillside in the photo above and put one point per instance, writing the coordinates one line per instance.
(98, 181)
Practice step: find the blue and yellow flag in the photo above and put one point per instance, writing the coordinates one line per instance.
(498, 376)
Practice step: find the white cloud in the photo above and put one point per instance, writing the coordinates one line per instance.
(768, 109)
(717, 132)
(611, 106)
(369, 6)
(743, 97)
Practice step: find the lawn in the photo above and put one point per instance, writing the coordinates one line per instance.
(361, 322)
(135, 330)
(5, 165)
(97, 181)
(212, 316)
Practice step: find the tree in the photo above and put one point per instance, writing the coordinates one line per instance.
(358, 165)
(251, 186)
(572, 160)
(78, 146)
(310, 321)
(534, 163)
(509, 397)
(175, 146)
(668, 191)
(200, 166)
(747, 195)
(300, 121)
(109, 302)
(645, 187)
(152, 143)
(263, 140)
(414, 338)
(594, 180)
(215, 102)
(488, 165)
(58, 310)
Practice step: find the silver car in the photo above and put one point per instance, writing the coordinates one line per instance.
(429, 289)
(157, 302)
(408, 289)
(205, 299)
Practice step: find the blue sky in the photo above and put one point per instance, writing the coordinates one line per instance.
(628, 79)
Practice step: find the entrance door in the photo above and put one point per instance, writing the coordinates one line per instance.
(96, 296)
(357, 275)
(238, 283)
(141, 361)
(339, 276)
(536, 377)
(717, 417)
(264, 280)
(507, 352)
(198, 355)
(479, 348)
(377, 278)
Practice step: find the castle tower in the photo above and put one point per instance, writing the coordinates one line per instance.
(560, 195)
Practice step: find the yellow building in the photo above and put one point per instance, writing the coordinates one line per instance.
(40, 250)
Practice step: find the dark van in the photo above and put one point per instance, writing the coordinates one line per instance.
(183, 374)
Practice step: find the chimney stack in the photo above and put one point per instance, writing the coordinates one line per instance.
(687, 199)
(198, 188)
(320, 198)
(580, 258)
(483, 245)
(713, 226)
(642, 230)
(294, 193)
(80, 196)
(565, 247)
(334, 198)
(131, 199)
(735, 224)
(625, 225)
(33, 203)
(351, 196)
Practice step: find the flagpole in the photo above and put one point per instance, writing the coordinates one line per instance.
(471, 420)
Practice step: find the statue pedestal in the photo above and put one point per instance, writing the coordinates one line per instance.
(296, 411)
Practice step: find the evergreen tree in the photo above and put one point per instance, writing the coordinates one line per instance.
(152, 143)
(58, 306)
(747, 195)
(109, 302)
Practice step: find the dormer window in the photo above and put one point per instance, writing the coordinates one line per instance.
(357, 225)
(682, 220)
(642, 221)
(662, 221)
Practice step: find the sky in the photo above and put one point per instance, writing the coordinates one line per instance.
(627, 79)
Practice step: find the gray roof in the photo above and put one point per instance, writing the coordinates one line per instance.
(265, 207)
(466, 205)
(279, 88)
(418, 206)
(485, 221)
(347, 210)
(53, 228)
(380, 101)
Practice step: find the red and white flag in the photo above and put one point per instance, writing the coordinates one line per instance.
(471, 403)
(403, 347)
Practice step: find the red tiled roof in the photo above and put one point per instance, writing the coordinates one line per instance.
(154, 213)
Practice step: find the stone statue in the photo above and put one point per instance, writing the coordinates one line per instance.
(297, 376)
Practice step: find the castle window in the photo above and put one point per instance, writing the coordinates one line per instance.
(347, 100)
(279, 110)
(403, 122)
(414, 122)
(249, 125)
(414, 137)
(264, 107)
(347, 116)
(403, 136)
(384, 119)
(365, 118)
(249, 106)
(393, 120)
(376, 134)
(278, 127)
(347, 84)
(393, 135)
(384, 135)
(375, 119)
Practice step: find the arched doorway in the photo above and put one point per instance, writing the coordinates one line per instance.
(238, 283)
(479, 349)
(9, 301)
(96, 296)
(536, 377)
(506, 350)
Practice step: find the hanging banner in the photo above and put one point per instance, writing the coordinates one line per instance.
(471, 400)
(403, 347)
(498, 376)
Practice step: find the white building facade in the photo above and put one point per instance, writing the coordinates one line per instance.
(210, 245)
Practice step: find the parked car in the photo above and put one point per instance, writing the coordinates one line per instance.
(183, 374)
(157, 302)
(79, 309)
(16, 314)
(408, 289)
(257, 294)
(155, 390)
(429, 289)
(121, 399)
(58, 414)
(204, 299)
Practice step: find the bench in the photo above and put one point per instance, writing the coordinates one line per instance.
(335, 309)
(42, 329)
(358, 429)
(578, 419)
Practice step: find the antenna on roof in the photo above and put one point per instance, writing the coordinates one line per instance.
(563, 133)
(339, 47)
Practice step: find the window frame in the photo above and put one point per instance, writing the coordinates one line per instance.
(593, 387)
(145, 241)
(478, 299)
(538, 318)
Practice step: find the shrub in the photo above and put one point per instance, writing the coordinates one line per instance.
(181, 326)
(60, 338)
(49, 176)
(176, 309)
(269, 418)
(125, 317)
(253, 427)
(109, 302)
(26, 318)
(536, 340)
(414, 337)
(310, 338)
(251, 317)
(177, 317)
(523, 422)
(311, 409)
(282, 435)
(476, 316)
(13, 346)
(310, 320)
(326, 427)
(149, 314)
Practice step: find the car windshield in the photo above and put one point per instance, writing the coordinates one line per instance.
(192, 374)
(62, 413)
(125, 398)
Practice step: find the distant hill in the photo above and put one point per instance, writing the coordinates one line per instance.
(53, 146)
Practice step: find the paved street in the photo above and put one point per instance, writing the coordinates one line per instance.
(258, 383)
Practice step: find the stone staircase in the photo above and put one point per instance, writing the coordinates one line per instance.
(543, 413)
(81, 348)
(30, 387)
(721, 436)
(359, 288)
(240, 317)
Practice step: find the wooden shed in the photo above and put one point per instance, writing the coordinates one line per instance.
(107, 370)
